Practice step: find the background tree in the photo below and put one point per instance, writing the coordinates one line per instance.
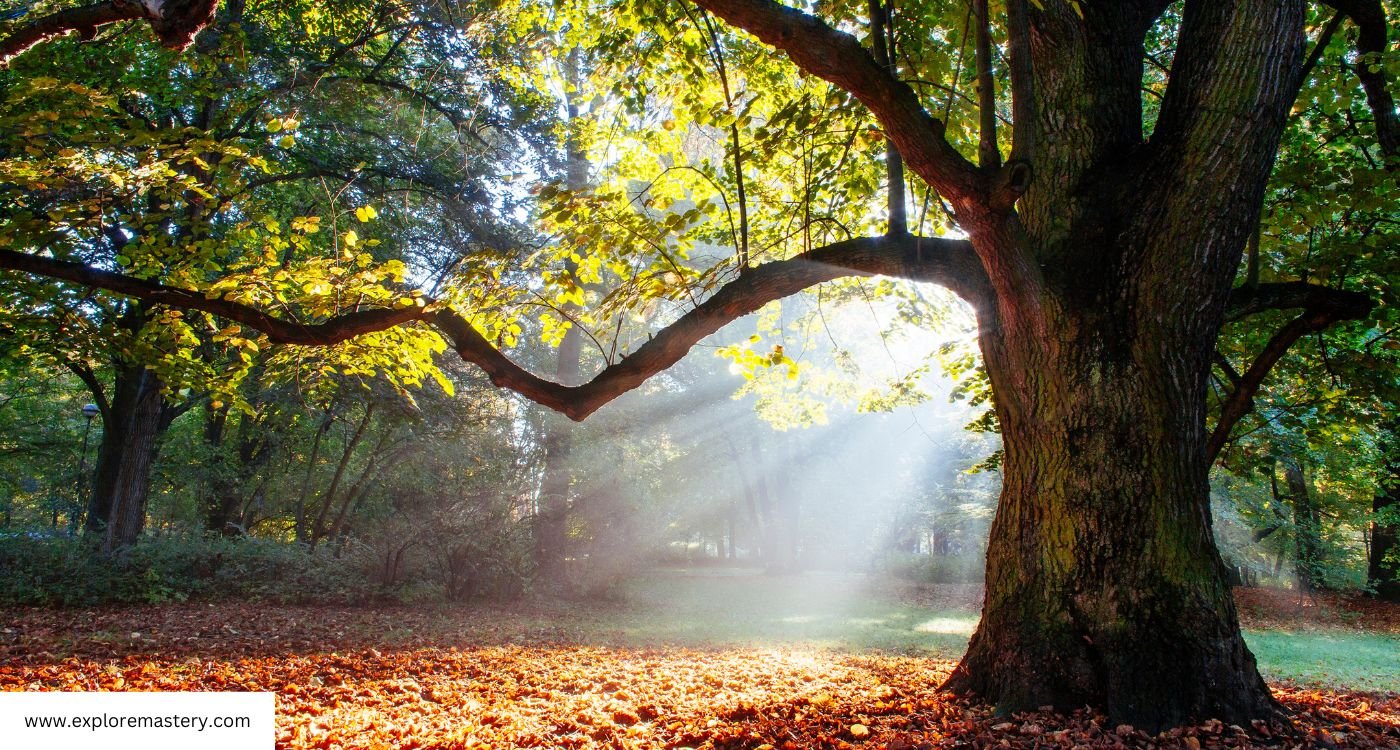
(203, 162)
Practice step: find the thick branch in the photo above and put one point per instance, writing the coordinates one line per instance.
(84, 20)
(839, 58)
(950, 263)
(175, 22)
(1232, 81)
(1293, 295)
(1369, 17)
(1321, 308)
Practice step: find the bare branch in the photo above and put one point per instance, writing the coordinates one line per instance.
(1228, 369)
(175, 23)
(951, 263)
(983, 199)
(1323, 39)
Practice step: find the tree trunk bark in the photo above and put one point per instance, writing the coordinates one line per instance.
(1103, 585)
(223, 502)
(552, 524)
(1383, 572)
(1306, 528)
(132, 430)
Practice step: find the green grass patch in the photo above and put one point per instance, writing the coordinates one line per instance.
(725, 608)
(716, 608)
(1341, 658)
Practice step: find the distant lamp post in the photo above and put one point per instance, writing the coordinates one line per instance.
(90, 411)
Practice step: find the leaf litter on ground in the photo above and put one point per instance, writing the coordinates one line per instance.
(514, 677)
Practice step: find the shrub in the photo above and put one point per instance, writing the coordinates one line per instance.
(63, 571)
(935, 568)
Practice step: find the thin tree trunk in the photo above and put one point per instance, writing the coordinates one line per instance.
(132, 429)
(222, 503)
(1307, 538)
(750, 499)
(303, 530)
(552, 524)
(379, 461)
(318, 527)
(1383, 571)
(731, 513)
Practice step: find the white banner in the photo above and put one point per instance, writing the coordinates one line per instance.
(149, 721)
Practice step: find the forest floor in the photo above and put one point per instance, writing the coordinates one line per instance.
(681, 660)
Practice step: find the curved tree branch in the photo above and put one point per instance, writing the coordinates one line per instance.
(1321, 308)
(950, 263)
(279, 330)
(983, 199)
(175, 23)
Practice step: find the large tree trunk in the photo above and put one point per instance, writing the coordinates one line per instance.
(133, 425)
(1104, 586)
